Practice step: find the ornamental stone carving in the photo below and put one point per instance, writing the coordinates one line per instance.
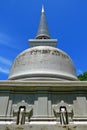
(22, 111)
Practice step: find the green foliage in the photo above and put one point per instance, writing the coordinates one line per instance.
(83, 77)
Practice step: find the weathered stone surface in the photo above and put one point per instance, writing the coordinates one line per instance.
(42, 107)
(43, 127)
(4, 105)
(80, 107)
(43, 62)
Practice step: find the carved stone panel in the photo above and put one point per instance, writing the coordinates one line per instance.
(80, 107)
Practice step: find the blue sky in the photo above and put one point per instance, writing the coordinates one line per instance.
(19, 19)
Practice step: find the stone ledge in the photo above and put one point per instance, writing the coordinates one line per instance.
(44, 85)
(43, 127)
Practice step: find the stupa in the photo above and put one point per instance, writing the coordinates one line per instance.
(43, 61)
(42, 91)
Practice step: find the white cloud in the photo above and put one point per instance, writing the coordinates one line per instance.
(4, 65)
(6, 40)
(79, 71)
(5, 61)
(4, 70)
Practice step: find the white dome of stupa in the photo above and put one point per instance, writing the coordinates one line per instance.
(43, 62)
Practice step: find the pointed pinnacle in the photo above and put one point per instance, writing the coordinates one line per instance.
(43, 9)
(43, 32)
